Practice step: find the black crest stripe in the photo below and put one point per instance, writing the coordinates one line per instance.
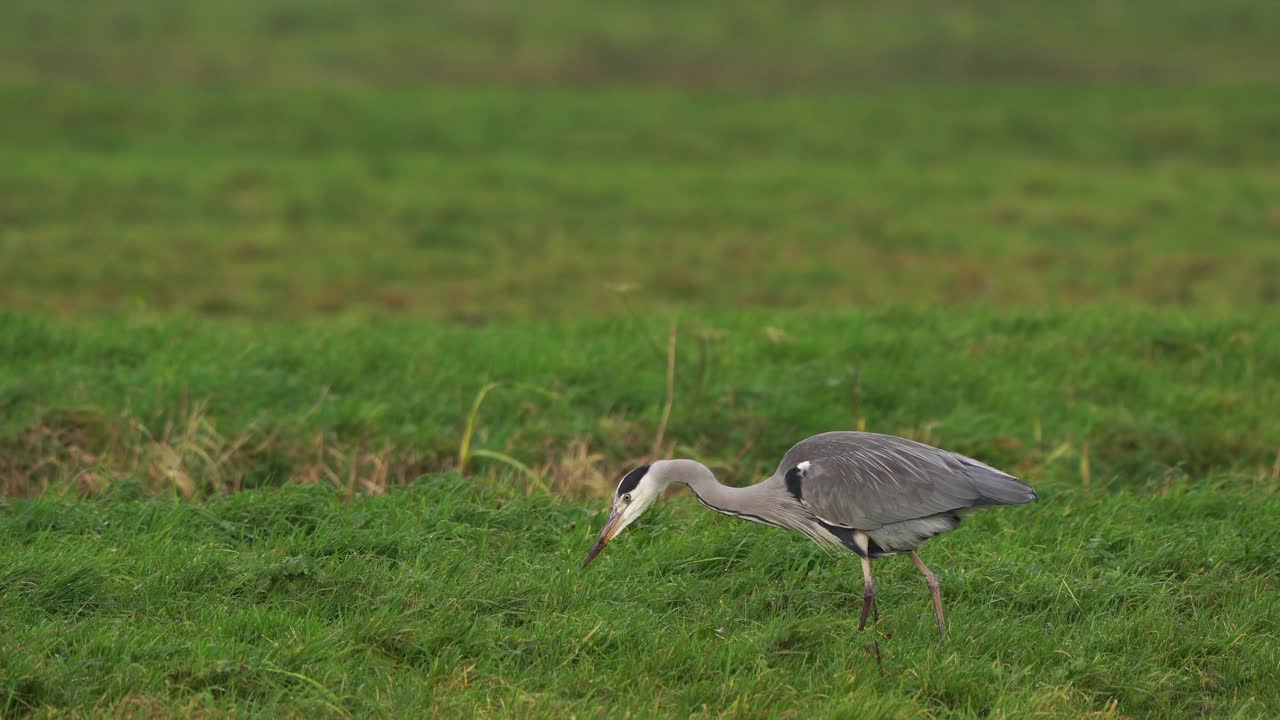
(632, 479)
(794, 475)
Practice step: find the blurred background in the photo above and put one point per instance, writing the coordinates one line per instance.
(477, 161)
(487, 256)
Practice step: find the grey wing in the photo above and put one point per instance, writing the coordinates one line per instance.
(867, 480)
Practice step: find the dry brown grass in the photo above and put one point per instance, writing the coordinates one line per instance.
(86, 453)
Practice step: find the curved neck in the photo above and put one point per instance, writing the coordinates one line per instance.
(765, 502)
(704, 486)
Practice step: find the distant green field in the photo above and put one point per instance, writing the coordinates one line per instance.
(469, 162)
(467, 204)
(326, 325)
(716, 44)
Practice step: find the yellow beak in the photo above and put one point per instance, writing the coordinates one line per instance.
(610, 529)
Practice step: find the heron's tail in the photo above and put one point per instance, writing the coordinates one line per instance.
(996, 487)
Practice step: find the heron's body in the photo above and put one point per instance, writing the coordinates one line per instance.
(873, 495)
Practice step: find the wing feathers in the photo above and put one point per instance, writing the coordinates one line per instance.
(867, 480)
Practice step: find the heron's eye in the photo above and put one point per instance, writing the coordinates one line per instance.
(626, 498)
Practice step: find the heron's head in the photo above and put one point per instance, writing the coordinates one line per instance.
(635, 493)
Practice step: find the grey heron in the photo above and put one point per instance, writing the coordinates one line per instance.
(871, 494)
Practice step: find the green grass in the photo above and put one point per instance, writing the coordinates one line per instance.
(450, 599)
(258, 260)
(762, 45)
(262, 161)
(472, 204)
(1143, 583)
(1148, 398)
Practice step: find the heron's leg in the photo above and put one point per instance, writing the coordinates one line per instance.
(934, 589)
(868, 595)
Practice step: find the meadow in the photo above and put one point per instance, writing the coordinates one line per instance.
(1143, 583)
(257, 161)
(327, 329)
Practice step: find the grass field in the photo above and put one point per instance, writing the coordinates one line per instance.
(472, 205)
(255, 161)
(327, 327)
(1142, 398)
(446, 598)
(1143, 583)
